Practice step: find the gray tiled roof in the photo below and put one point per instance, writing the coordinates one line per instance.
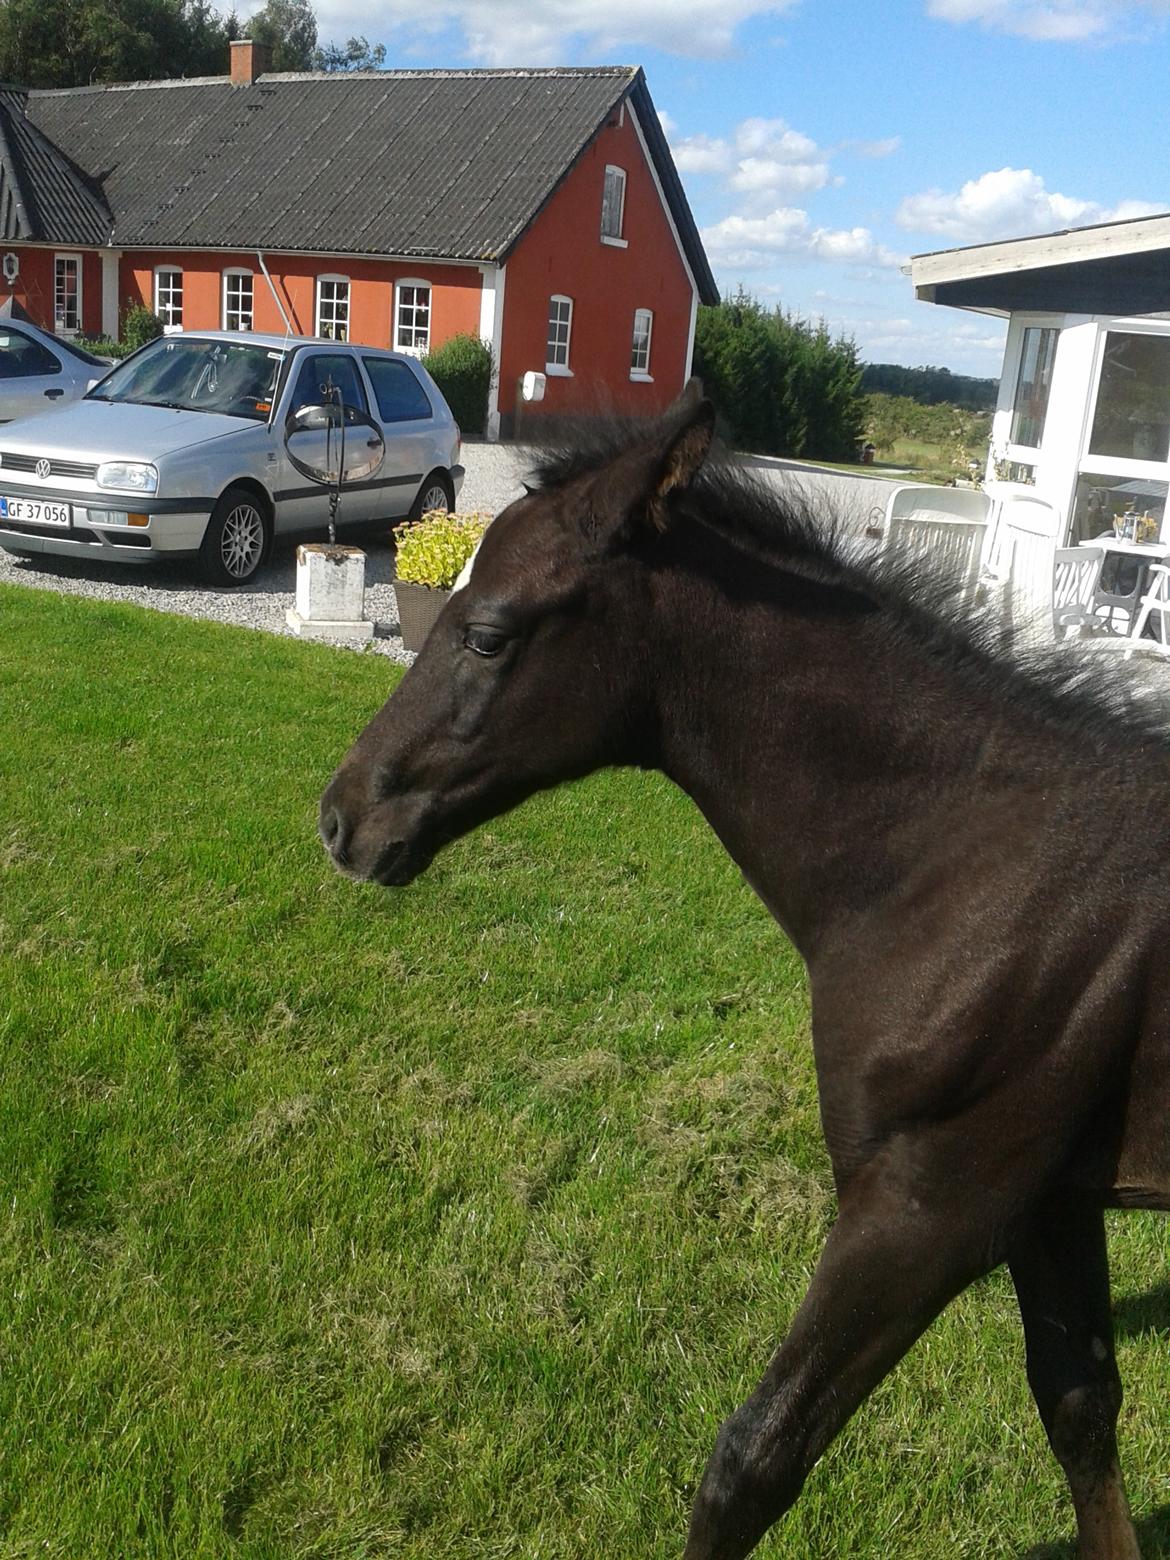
(42, 194)
(430, 164)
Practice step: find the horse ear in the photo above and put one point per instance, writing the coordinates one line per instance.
(637, 486)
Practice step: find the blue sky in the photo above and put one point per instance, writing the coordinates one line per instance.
(823, 142)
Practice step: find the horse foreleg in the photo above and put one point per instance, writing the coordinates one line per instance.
(889, 1266)
(1061, 1272)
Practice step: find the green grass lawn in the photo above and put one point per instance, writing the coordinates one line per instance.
(444, 1223)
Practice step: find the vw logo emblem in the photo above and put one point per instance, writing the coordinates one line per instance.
(43, 469)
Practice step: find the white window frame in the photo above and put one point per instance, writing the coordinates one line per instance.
(169, 324)
(413, 350)
(559, 369)
(62, 328)
(640, 372)
(615, 239)
(232, 271)
(320, 323)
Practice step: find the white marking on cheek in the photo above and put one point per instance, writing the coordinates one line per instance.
(464, 575)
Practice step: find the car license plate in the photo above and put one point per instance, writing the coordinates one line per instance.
(34, 511)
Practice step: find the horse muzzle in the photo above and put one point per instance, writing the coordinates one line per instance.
(384, 843)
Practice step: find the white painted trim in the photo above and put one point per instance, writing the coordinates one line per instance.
(78, 255)
(491, 330)
(330, 276)
(111, 259)
(168, 270)
(559, 370)
(395, 302)
(615, 238)
(644, 371)
(640, 379)
(616, 243)
(1107, 240)
(689, 365)
(235, 270)
(678, 243)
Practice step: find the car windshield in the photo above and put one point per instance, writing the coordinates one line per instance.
(235, 379)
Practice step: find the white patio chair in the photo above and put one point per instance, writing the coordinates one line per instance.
(947, 526)
(1075, 576)
(1153, 607)
(1024, 570)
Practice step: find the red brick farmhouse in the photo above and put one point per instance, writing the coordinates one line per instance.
(540, 209)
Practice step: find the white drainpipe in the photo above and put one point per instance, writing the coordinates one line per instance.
(275, 295)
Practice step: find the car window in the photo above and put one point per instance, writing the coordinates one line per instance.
(21, 356)
(400, 396)
(315, 374)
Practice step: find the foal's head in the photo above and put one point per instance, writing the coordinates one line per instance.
(534, 673)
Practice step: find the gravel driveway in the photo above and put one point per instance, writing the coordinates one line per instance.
(494, 473)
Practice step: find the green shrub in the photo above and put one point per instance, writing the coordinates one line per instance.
(102, 346)
(462, 369)
(139, 325)
(431, 551)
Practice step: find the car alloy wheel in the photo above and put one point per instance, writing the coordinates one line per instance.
(435, 497)
(241, 543)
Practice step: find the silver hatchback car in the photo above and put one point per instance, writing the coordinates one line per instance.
(180, 452)
(39, 371)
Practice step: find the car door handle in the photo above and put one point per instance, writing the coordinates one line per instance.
(53, 394)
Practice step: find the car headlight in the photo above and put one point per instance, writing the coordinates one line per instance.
(132, 476)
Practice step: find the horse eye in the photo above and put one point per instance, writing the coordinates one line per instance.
(484, 641)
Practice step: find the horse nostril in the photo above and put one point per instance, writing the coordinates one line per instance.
(335, 832)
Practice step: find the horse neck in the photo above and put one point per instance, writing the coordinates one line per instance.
(821, 748)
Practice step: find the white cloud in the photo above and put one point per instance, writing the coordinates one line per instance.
(518, 32)
(883, 148)
(764, 161)
(1006, 203)
(752, 243)
(1058, 21)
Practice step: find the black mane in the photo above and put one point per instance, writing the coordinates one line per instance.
(1062, 683)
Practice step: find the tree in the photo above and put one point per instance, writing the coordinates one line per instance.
(289, 28)
(356, 54)
(70, 43)
(782, 386)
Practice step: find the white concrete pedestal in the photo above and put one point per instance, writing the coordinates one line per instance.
(331, 593)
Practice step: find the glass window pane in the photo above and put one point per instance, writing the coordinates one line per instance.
(413, 329)
(1132, 419)
(21, 357)
(1108, 505)
(400, 396)
(66, 293)
(612, 200)
(640, 351)
(560, 314)
(1030, 405)
(317, 371)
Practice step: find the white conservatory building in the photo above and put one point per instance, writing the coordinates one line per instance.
(1083, 417)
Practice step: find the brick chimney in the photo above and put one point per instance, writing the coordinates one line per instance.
(249, 60)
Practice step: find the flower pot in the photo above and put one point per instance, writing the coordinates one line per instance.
(418, 607)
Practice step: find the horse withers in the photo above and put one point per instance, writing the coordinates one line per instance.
(969, 854)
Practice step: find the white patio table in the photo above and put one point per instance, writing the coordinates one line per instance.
(1128, 602)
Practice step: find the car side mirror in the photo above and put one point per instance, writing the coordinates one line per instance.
(334, 445)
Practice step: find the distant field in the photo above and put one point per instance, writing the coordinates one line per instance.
(444, 1225)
